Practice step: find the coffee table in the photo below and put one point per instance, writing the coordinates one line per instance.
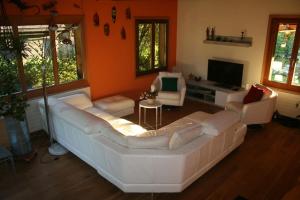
(144, 105)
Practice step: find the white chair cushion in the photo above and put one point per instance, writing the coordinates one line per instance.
(169, 74)
(184, 136)
(219, 122)
(126, 127)
(168, 95)
(114, 103)
(80, 101)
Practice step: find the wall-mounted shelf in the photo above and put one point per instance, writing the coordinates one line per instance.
(230, 41)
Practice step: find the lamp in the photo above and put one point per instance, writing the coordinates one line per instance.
(54, 149)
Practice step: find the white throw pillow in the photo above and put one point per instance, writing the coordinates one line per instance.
(219, 122)
(184, 136)
(85, 121)
(80, 101)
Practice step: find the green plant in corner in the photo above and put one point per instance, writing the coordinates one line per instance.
(12, 103)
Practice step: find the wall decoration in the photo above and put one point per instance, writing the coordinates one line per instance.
(96, 19)
(106, 29)
(123, 33)
(24, 6)
(114, 14)
(76, 5)
(128, 13)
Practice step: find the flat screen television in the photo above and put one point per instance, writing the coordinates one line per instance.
(225, 74)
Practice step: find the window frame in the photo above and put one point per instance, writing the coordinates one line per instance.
(57, 87)
(274, 20)
(151, 21)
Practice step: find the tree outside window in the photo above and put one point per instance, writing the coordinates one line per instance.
(282, 69)
(59, 51)
(151, 45)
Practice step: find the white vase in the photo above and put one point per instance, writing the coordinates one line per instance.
(150, 101)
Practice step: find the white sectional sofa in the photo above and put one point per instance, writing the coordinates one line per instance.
(137, 160)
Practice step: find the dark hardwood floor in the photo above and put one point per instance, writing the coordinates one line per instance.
(265, 166)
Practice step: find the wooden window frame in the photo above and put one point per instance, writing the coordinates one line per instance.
(270, 48)
(57, 87)
(151, 21)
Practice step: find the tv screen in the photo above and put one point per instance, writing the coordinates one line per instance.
(226, 74)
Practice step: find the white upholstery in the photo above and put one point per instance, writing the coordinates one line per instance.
(219, 122)
(85, 121)
(259, 112)
(81, 101)
(116, 105)
(182, 137)
(144, 162)
(166, 97)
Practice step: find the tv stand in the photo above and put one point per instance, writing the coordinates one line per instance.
(209, 92)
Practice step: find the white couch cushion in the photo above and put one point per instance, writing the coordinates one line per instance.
(85, 121)
(81, 101)
(100, 113)
(168, 95)
(133, 142)
(152, 142)
(219, 122)
(114, 103)
(184, 136)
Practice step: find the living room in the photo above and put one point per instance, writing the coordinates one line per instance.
(107, 57)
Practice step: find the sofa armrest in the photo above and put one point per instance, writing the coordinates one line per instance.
(182, 89)
(155, 86)
(260, 111)
(237, 96)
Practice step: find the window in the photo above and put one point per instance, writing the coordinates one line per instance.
(282, 61)
(151, 45)
(60, 51)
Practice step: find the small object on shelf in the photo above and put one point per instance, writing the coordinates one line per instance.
(207, 33)
(114, 14)
(96, 19)
(213, 31)
(230, 41)
(242, 35)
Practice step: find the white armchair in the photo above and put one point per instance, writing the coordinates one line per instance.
(259, 112)
(169, 97)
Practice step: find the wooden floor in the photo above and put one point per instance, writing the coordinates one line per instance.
(265, 166)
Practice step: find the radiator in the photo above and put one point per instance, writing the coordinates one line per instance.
(287, 104)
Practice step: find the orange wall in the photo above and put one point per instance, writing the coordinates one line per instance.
(110, 61)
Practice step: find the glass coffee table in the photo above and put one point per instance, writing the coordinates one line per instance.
(144, 105)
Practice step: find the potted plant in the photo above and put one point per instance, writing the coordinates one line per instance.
(149, 96)
(13, 103)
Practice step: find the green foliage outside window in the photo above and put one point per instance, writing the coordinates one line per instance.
(151, 45)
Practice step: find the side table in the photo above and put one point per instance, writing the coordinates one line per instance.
(145, 105)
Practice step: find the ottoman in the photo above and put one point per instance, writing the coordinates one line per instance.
(118, 105)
